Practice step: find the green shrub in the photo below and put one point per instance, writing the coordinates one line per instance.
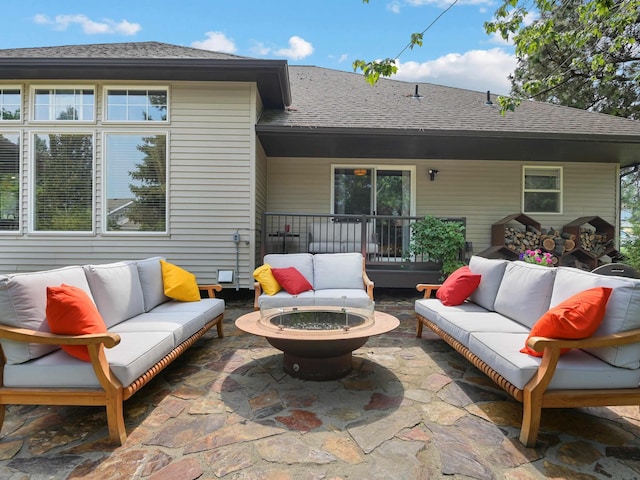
(439, 240)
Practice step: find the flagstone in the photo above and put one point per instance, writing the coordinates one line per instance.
(376, 429)
(289, 449)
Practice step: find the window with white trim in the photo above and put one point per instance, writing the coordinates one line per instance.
(64, 104)
(136, 182)
(9, 182)
(136, 105)
(10, 104)
(542, 189)
(62, 197)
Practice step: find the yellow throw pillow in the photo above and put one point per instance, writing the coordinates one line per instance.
(268, 282)
(179, 284)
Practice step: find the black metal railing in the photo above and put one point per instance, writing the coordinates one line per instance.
(380, 238)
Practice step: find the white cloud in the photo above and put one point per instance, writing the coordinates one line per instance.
(343, 58)
(90, 27)
(479, 70)
(217, 42)
(298, 49)
(394, 6)
(259, 49)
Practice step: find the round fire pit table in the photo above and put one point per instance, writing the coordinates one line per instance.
(317, 342)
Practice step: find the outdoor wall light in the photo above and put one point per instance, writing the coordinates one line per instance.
(433, 173)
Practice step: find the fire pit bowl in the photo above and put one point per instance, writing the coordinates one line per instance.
(317, 341)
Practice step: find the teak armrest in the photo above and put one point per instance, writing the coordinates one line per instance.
(32, 336)
(613, 340)
(211, 289)
(427, 288)
(368, 284)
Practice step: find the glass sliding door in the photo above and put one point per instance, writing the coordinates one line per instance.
(386, 192)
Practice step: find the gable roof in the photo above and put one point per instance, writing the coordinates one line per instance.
(336, 113)
(146, 61)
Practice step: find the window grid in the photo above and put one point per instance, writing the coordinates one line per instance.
(136, 105)
(10, 104)
(64, 104)
(542, 189)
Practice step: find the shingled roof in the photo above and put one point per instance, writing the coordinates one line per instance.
(336, 113)
(318, 112)
(146, 61)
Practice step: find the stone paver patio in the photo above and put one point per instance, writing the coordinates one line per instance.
(411, 409)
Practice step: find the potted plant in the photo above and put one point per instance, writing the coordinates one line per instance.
(438, 240)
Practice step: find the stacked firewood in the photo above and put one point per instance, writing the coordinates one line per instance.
(594, 242)
(520, 240)
(556, 242)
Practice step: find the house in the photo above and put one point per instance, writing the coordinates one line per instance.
(197, 145)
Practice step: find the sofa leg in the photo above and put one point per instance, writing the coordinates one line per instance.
(531, 413)
(115, 421)
(219, 328)
(419, 329)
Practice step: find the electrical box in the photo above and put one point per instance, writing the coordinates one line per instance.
(225, 276)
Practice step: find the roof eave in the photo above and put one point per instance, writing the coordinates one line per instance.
(279, 141)
(271, 76)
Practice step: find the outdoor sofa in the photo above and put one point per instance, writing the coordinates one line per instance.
(492, 326)
(146, 331)
(334, 279)
(341, 237)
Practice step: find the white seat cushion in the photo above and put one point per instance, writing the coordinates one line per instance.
(491, 272)
(338, 270)
(576, 369)
(135, 354)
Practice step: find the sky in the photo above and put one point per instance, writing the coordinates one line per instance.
(326, 33)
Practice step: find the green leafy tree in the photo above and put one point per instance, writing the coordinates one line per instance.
(581, 53)
(150, 206)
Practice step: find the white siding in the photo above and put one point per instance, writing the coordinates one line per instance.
(482, 191)
(211, 155)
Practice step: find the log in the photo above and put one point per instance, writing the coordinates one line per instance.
(549, 244)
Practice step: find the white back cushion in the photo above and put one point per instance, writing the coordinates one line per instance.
(623, 309)
(116, 290)
(303, 262)
(150, 274)
(23, 304)
(337, 270)
(525, 292)
(491, 271)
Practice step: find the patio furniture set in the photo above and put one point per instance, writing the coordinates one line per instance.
(497, 310)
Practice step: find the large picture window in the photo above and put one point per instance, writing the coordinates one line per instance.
(9, 181)
(63, 182)
(63, 104)
(542, 192)
(136, 105)
(136, 182)
(10, 104)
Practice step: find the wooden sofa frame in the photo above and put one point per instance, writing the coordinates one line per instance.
(534, 397)
(368, 285)
(113, 393)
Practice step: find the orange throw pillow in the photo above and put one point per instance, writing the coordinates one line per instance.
(291, 280)
(577, 317)
(458, 286)
(70, 311)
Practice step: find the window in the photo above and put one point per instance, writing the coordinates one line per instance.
(542, 192)
(9, 181)
(136, 105)
(136, 182)
(63, 104)
(10, 104)
(63, 182)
